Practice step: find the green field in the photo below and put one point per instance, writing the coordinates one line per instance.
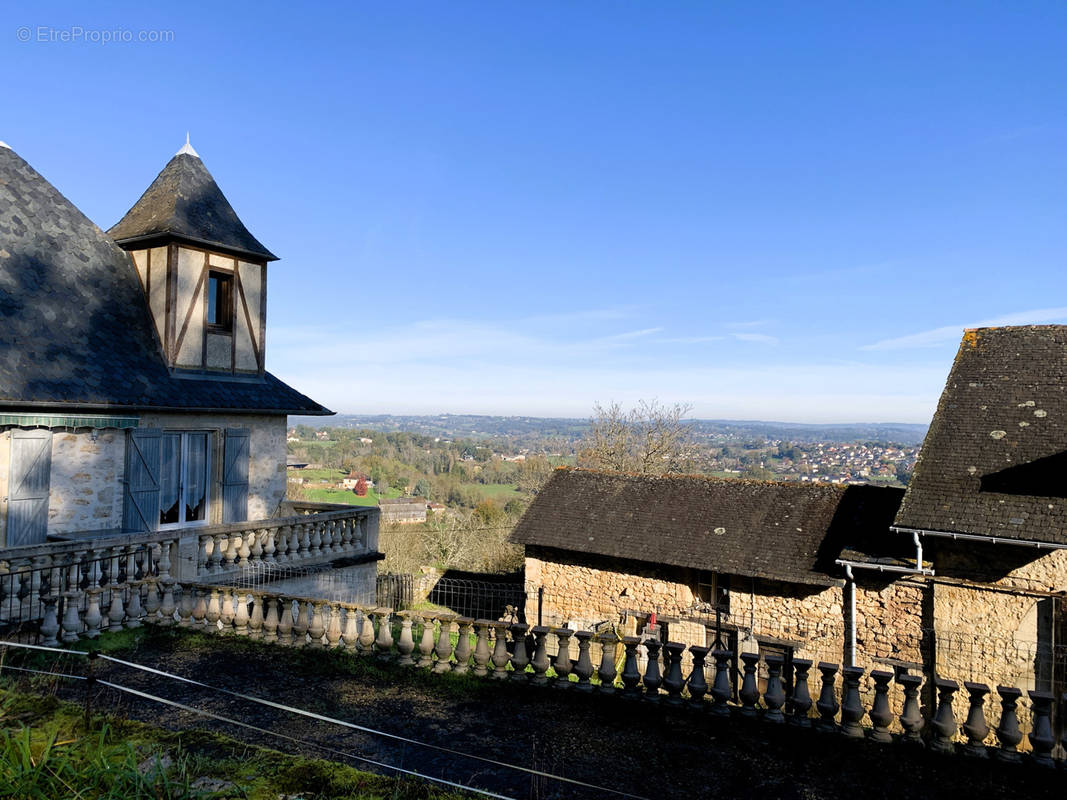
(330, 475)
(501, 492)
(346, 496)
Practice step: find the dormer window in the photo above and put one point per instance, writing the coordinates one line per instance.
(220, 301)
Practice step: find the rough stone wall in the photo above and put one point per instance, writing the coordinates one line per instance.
(86, 481)
(266, 471)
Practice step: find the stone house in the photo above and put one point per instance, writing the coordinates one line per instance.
(133, 389)
(403, 509)
(988, 504)
(754, 565)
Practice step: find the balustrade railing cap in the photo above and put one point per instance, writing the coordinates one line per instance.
(881, 674)
(584, 634)
(562, 631)
(483, 622)
(721, 653)
(631, 640)
(853, 672)
(909, 680)
(828, 666)
(975, 687)
(1010, 691)
(1038, 694)
(539, 630)
(521, 627)
(773, 659)
(750, 657)
(675, 646)
(465, 620)
(802, 662)
(945, 683)
(699, 649)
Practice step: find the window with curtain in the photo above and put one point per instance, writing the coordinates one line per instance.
(184, 478)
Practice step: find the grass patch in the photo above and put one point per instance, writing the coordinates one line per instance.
(346, 496)
(46, 753)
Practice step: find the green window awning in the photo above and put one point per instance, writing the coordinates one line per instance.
(67, 421)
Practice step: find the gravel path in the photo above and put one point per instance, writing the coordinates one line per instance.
(633, 747)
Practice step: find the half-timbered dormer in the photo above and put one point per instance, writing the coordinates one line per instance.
(204, 274)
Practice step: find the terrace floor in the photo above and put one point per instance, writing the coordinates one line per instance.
(634, 747)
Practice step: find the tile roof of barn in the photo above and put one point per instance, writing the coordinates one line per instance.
(185, 203)
(75, 331)
(786, 531)
(995, 457)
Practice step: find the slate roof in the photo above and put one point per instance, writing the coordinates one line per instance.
(993, 462)
(184, 202)
(780, 531)
(75, 331)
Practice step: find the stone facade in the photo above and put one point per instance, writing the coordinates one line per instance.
(88, 470)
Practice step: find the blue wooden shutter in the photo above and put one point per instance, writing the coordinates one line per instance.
(140, 511)
(235, 475)
(31, 467)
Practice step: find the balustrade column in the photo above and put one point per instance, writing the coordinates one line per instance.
(280, 537)
(93, 617)
(443, 648)
(852, 710)
(540, 662)
(463, 645)
(270, 545)
(583, 667)
(800, 701)
(301, 620)
(186, 605)
(563, 664)
(406, 645)
(911, 718)
(944, 722)
(500, 650)
(774, 697)
(880, 713)
(351, 634)
(240, 613)
(519, 658)
(50, 623)
(133, 599)
(631, 675)
(426, 642)
(315, 549)
(975, 726)
(366, 633)
(202, 558)
(384, 643)
(1008, 733)
(749, 690)
(168, 606)
(1041, 737)
(229, 553)
(721, 687)
(256, 538)
(698, 681)
(255, 619)
(215, 558)
(333, 629)
(827, 703)
(229, 609)
(317, 625)
(481, 648)
(116, 613)
(304, 530)
(286, 623)
(653, 677)
(673, 681)
(271, 620)
(609, 650)
(214, 611)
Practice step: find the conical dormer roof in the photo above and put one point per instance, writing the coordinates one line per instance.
(185, 203)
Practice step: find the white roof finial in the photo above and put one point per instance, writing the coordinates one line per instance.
(187, 149)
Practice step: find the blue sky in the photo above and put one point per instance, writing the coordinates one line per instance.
(777, 211)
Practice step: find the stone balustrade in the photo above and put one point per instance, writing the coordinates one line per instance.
(446, 643)
(84, 585)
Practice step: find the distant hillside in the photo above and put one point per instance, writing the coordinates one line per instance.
(475, 426)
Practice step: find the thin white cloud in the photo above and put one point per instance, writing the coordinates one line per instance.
(949, 334)
(621, 337)
(691, 339)
(759, 338)
(752, 323)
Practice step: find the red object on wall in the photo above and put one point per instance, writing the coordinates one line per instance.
(652, 619)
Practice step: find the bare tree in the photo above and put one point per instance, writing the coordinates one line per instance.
(650, 439)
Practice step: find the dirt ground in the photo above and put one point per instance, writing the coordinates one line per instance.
(633, 747)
